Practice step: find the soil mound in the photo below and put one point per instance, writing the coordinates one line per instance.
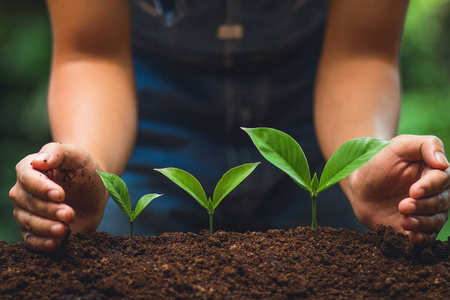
(279, 264)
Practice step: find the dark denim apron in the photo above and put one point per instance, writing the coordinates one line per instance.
(205, 68)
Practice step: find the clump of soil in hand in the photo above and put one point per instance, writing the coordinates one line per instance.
(299, 263)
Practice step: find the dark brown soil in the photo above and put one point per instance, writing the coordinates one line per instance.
(300, 263)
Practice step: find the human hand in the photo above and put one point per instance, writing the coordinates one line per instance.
(57, 188)
(405, 186)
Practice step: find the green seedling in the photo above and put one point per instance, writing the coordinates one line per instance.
(286, 154)
(190, 184)
(119, 192)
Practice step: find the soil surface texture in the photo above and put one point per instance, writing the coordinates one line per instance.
(299, 263)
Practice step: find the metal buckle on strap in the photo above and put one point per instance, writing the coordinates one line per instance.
(230, 32)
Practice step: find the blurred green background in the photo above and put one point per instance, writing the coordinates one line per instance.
(25, 47)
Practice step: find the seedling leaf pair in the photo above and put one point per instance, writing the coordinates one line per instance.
(226, 184)
(285, 153)
(119, 192)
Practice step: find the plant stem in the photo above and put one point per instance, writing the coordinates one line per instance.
(314, 217)
(211, 222)
(131, 230)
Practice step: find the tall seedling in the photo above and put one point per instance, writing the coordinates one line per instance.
(190, 184)
(119, 192)
(285, 153)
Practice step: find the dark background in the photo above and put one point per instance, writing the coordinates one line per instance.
(25, 49)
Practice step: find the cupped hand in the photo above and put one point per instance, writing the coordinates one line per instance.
(57, 188)
(405, 186)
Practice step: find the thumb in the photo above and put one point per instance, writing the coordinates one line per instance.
(60, 156)
(430, 149)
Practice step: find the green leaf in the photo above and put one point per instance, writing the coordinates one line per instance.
(230, 180)
(142, 203)
(118, 191)
(348, 157)
(188, 183)
(284, 152)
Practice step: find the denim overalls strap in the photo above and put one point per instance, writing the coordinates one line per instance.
(205, 68)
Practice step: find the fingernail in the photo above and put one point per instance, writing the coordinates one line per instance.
(50, 244)
(414, 222)
(420, 193)
(420, 238)
(57, 230)
(61, 215)
(43, 157)
(416, 238)
(441, 158)
(54, 195)
(412, 208)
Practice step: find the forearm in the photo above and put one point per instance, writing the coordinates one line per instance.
(92, 104)
(91, 99)
(356, 97)
(358, 84)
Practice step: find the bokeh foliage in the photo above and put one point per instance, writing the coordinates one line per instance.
(25, 49)
(25, 46)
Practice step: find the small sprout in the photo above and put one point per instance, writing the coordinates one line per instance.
(225, 185)
(285, 153)
(119, 192)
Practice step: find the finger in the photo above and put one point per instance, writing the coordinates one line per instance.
(39, 226)
(425, 224)
(416, 148)
(418, 238)
(426, 206)
(39, 185)
(39, 243)
(44, 208)
(64, 156)
(432, 183)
